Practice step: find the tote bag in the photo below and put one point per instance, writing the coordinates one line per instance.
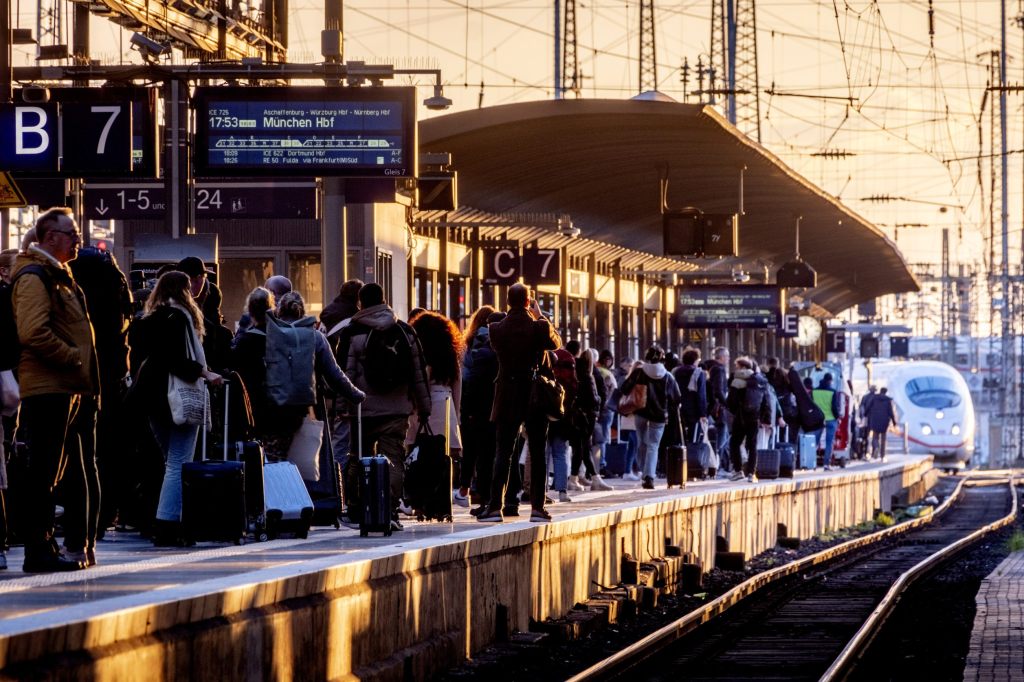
(304, 452)
(189, 401)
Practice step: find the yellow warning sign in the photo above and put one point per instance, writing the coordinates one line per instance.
(10, 195)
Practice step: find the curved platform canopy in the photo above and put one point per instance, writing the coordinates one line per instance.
(600, 161)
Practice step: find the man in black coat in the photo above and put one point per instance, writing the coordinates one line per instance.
(519, 341)
(344, 305)
(880, 416)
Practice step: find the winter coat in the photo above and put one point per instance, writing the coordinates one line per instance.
(413, 396)
(518, 340)
(589, 399)
(662, 390)
(165, 334)
(337, 310)
(718, 383)
(693, 404)
(479, 370)
(744, 380)
(881, 413)
(248, 358)
(109, 302)
(58, 352)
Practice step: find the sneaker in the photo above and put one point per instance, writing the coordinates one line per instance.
(648, 483)
(460, 499)
(510, 510)
(403, 508)
(828, 468)
(396, 525)
(574, 484)
(490, 516)
(631, 476)
(564, 496)
(3, 561)
(74, 556)
(540, 516)
(597, 484)
(751, 478)
(477, 511)
(736, 476)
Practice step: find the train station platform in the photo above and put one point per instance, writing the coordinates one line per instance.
(997, 639)
(337, 606)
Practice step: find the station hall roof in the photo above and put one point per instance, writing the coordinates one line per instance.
(600, 161)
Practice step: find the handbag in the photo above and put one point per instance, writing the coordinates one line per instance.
(547, 397)
(189, 401)
(304, 451)
(706, 454)
(11, 393)
(635, 400)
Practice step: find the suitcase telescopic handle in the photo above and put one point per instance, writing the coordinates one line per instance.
(359, 430)
(227, 410)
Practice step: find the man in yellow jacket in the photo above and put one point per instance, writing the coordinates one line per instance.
(59, 382)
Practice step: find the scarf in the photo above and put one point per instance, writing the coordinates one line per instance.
(197, 347)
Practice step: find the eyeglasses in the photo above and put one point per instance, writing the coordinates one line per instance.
(74, 234)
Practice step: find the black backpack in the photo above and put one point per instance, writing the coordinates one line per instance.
(388, 358)
(753, 396)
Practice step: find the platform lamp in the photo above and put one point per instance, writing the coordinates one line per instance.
(796, 274)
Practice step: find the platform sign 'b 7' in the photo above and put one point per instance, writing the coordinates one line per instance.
(542, 266)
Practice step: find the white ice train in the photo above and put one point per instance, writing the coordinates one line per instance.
(933, 401)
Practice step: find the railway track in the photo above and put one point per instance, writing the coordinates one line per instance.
(812, 619)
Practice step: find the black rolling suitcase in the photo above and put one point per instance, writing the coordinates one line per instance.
(767, 461)
(374, 488)
(328, 494)
(675, 465)
(428, 473)
(787, 456)
(213, 497)
(615, 451)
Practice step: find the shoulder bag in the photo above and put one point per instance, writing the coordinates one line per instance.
(635, 400)
(547, 397)
(189, 401)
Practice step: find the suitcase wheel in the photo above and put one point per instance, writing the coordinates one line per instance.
(302, 534)
(337, 524)
(387, 533)
(363, 533)
(419, 517)
(262, 536)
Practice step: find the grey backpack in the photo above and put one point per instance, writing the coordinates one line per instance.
(289, 358)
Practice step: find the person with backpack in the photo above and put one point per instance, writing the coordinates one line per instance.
(718, 388)
(779, 382)
(296, 355)
(830, 402)
(58, 378)
(662, 393)
(748, 401)
(383, 357)
(563, 432)
(110, 310)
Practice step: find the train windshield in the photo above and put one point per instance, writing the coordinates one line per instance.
(933, 392)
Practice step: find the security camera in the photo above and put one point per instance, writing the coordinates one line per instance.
(438, 102)
(150, 49)
(567, 229)
(35, 95)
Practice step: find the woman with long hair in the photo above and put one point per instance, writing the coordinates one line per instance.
(442, 354)
(662, 396)
(174, 333)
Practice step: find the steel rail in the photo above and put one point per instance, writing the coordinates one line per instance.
(858, 644)
(659, 639)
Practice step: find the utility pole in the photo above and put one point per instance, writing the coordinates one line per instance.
(570, 61)
(1005, 350)
(6, 94)
(334, 227)
(558, 49)
(734, 56)
(648, 70)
